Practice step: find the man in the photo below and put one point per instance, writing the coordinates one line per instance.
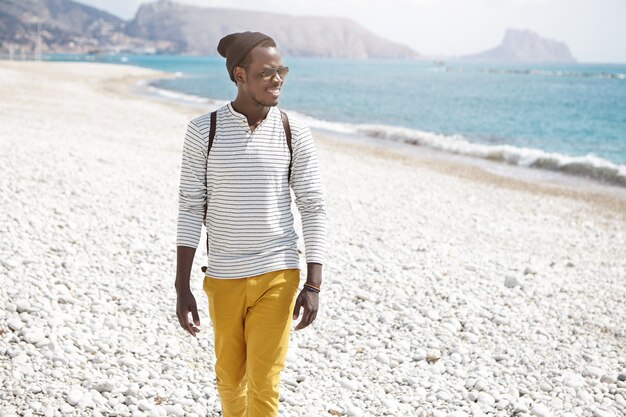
(252, 275)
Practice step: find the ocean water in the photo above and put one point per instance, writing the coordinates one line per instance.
(568, 118)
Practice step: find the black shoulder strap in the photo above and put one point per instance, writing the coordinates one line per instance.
(287, 128)
(212, 132)
(211, 136)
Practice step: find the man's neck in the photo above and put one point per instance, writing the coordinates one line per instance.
(254, 112)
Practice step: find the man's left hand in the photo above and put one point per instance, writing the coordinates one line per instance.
(309, 300)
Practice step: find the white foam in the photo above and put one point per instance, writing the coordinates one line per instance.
(182, 97)
(345, 128)
(590, 165)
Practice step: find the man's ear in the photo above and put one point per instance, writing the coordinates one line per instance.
(239, 73)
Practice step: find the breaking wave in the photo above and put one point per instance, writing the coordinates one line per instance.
(589, 166)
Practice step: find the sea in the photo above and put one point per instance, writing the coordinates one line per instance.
(569, 118)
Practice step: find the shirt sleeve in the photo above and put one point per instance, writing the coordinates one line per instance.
(192, 189)
(309, 198)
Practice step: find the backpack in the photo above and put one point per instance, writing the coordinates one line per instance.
(287, 128)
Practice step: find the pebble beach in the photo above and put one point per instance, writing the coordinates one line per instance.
(450, 291)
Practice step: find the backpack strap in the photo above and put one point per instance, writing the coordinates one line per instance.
(287, 128)
(211, 136)
(211, 132)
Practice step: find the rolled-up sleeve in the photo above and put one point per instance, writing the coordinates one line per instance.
(192, 189)
(307, 186)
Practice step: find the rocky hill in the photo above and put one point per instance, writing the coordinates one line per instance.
(525, 46)
(169, 27)
(197, 30)
(62, 26)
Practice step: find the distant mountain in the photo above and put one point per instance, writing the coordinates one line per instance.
(525, 46)
(64, 26)
(169, 27)
(197, 30)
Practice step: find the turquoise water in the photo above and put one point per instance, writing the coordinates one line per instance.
(534, 115)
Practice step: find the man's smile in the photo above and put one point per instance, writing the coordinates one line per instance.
(275, 91)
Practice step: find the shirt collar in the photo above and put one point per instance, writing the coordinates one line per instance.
(238, 115)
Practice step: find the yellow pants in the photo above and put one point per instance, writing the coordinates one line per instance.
(251, 323)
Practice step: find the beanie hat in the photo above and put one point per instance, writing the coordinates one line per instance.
(235, 46)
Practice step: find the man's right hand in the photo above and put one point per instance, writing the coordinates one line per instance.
(185, 304)
(185, 301)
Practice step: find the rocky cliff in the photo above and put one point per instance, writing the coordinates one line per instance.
(167, 26)
(520, 46)
(31, 26)
(197, 30)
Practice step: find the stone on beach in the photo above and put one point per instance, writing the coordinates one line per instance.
(540, 410)
(74, 396)
(512, 281)
(15, 323)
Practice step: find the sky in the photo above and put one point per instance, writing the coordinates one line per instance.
(594, 30)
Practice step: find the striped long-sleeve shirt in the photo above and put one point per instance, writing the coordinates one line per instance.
(248, 218)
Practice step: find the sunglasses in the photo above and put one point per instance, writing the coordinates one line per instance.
(269, 73)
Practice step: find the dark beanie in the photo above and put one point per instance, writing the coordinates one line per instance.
(235, 46)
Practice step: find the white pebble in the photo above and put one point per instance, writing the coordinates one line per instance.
(390, 403)
(486, 399)
(573, 380)
(609, 379)
(145, 405)
(540, 410)
(132, 390)
(386, 317)
(174, 410)
(74, 396)
(511, 281)
(355, 412)
(15, 323)
(546, 386)
(104, 386)
(457, 414)
(443, 395)
(598, 412)
(34, 335)
(350, 384)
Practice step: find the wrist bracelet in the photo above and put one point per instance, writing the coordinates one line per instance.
(311, 288)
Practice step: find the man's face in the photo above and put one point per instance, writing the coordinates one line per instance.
(264, 92)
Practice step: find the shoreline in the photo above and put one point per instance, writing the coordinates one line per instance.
(588, 167)
(495, 172)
